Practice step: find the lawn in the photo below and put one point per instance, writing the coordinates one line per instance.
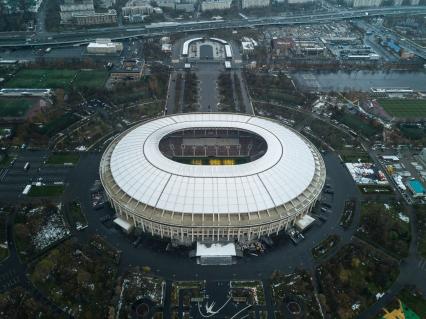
(58, 124)
(91, 78)
(46, 190)
(42, 78)
(359, 125)
(76, 216)
(63, 158)
(404, 108)
(354, 156)
(14, 107)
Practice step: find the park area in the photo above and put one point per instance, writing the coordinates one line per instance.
(404, 108)
(56, 78)
(78, 277)
(386, 227)
(14, 107)
(350, 281)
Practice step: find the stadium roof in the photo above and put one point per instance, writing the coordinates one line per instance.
(280, 175)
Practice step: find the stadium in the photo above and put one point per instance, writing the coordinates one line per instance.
(211, 177)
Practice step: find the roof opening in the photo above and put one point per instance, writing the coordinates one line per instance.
(213, 146)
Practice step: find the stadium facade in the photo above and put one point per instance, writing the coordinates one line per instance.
(212, 177)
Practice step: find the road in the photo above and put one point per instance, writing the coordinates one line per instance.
(31, 39)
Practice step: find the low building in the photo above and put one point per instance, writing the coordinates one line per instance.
(364, 3)
(245, 4)
(136, 7)
(215, 5)
(129, 71)
(282, 46)
(166, 47)
(299, 1)
(187, 7)
(69, 8)
(104, 46)
(106, 4)
(109, 17)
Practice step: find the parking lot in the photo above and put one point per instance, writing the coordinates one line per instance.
(14, 177)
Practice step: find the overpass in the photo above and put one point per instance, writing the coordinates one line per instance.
(157, 29)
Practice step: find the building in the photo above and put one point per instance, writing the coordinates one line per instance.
(136, 8)
(109, 17)
(130, 70)
(282, 46)
(159, 177)
(414, 2)
(299, 1)
(187, 7)
(364, 3)
(68, 8)
(398, 3)
(215, 5)
(106, 4)
(254, 3)
(13, 6)
(104, 46)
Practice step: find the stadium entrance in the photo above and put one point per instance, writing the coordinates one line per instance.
(213, 146)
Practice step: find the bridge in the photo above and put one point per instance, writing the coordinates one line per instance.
(34, 39)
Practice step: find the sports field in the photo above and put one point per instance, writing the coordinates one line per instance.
(14, 107)
(404, 108)
(57, 78)
(91, 78)
(41, 78)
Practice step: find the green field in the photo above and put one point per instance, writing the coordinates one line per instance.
(91, 78)
(55, 78)
(402, 108)
(63, 158)
(58, 124)
(46, 190)
(41, 78)
(12, 107)
(359, 125)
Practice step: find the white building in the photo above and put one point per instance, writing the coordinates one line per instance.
(398, 3)
(414, 2)
(188, 203)
(254, 3)
(364, 3)
(104, 46)
(215, 5)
